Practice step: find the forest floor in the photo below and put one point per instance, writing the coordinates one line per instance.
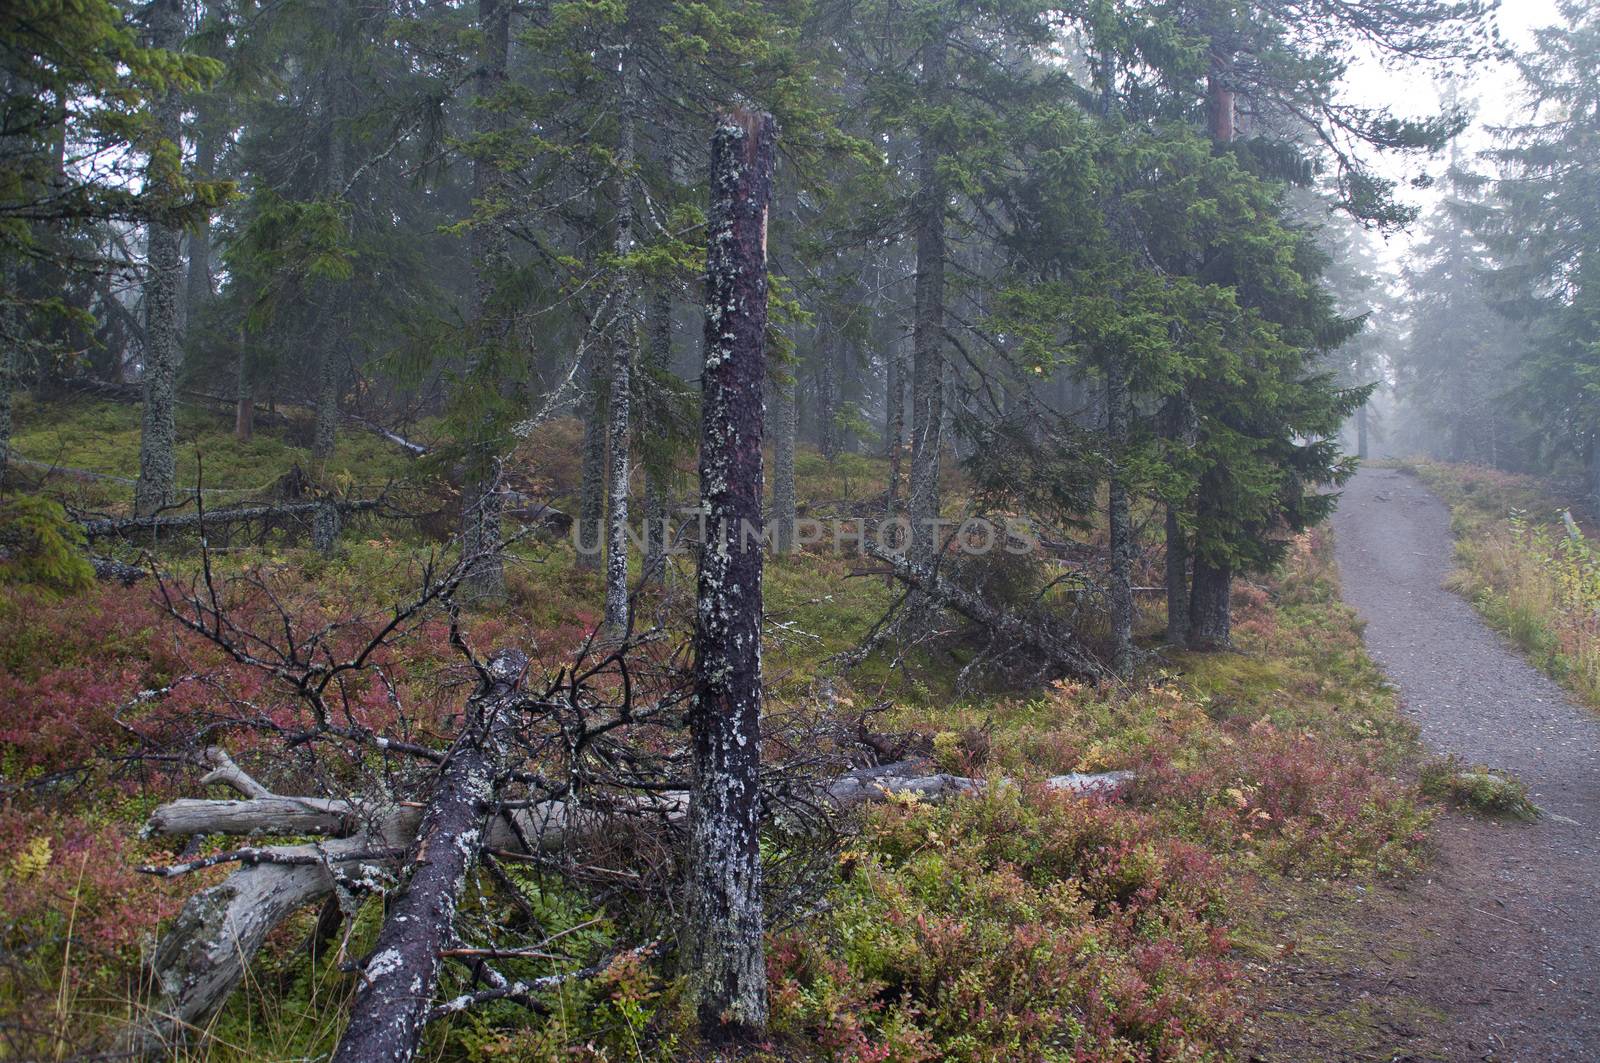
(1263, 890)
(1490, 953)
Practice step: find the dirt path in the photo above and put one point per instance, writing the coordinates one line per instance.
(1495, 953)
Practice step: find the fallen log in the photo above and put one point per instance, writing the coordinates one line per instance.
(399, 979)
(121, 526)
(1038, 633)
(207, 951)
(109, 568)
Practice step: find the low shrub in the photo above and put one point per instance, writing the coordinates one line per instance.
(1489, 791)
(1019, 924)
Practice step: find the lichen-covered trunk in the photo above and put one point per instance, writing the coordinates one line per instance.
(617, 474)
(326, 427)
(158, 465)
(1120, 522)
(657, 466)
(398, 979)
(588, 530)
(624, 337)
(784, 426)
(1210, 606)
(482, 540)
(927, 327)
(895, 422)
(723, 931)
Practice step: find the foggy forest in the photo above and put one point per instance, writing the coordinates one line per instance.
(778, 530)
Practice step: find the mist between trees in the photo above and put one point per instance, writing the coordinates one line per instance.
(972, 535)
(1067, 317)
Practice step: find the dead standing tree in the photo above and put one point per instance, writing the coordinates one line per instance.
(723, 934)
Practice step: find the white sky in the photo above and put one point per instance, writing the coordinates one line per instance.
(1490, 89)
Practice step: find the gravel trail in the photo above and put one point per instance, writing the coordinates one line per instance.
(1503, 940)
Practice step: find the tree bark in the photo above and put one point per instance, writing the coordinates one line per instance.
(1177, 571)
(398, 980)
(1210, 619)
(1361, 431)
(1175, 428)
(624, 336)
(827, 379)
(10, 365)
(723, 932)
(895, 421)
(1592, 471)
(158, 465)
(927, 330)
(784, 513)
(590, 532)
(244, 406)
(657, 470)
(335, 92)
(1120, 522)
(481, 498)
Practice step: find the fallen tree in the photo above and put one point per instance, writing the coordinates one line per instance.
(1038, 632)
(207, 951)
(125, 526)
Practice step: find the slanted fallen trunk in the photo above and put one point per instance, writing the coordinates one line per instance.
(1059, 648)
(399, 978)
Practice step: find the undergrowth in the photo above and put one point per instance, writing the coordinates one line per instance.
(1489, 791)
(1534, 578)
(1015, 924)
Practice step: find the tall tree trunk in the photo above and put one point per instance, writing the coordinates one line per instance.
(1210, 620)
(1210, 599)
(325, 429)
(1120, 591)
(1177, 573)
(927, 328)
(725, 922)
(827, 378)
(1175, 429)
(336, 91)
(481, 496)
(589, 530)
(158, 467)
(244, 406)
(784, 513)
(198, 288)
(1219, 99)
(624, 337)
(657, 468)
(1361, 431)
(895, 421)
(10, 361)
(1592, 469)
